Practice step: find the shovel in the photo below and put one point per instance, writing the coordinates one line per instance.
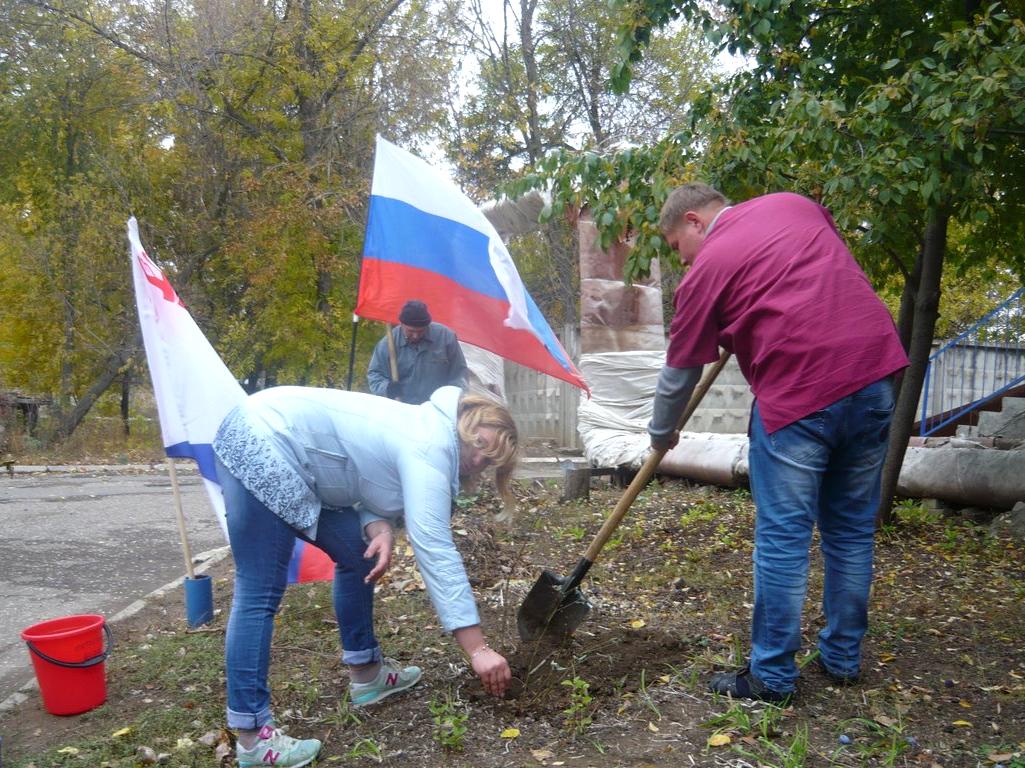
(555, 606)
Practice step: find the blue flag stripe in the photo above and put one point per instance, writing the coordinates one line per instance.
(203, 453)
(399, 232)
(547, 336)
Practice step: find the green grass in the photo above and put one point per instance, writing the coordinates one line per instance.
(162, 722)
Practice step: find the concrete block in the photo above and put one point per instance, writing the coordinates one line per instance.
(1011, 523)
(576, 482)
(1009, 422)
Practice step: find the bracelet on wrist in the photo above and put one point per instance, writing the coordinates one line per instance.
(479, 651)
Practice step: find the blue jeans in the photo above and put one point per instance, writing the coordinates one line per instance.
(825, 469)
(261, 545)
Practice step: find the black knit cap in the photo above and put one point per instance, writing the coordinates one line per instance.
(414, 312)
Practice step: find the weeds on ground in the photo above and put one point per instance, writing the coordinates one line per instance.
(761, 728)
(578, 713)
(99, 439)
(450, 719)
(882, 739)
(792, 755)
(365, 748)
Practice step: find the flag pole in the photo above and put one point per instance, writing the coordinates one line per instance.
(352, 347)
(181, 517)
(199, 590)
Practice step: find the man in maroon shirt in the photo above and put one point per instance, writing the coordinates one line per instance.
(771, 280)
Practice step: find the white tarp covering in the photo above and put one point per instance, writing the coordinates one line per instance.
(613, 422)
(487, 371)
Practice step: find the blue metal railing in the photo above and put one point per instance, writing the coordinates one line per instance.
(981, 364)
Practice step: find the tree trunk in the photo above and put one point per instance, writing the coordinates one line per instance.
(126, 391)
(69, 421)
(532, 137)
(926, 305)
(906, 314)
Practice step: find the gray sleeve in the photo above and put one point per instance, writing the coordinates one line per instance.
(379, 372)
(672, 394)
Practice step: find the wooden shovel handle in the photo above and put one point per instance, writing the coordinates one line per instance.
(393, 358)
(647, 469)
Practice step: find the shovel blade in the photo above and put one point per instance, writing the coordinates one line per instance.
(550, 610)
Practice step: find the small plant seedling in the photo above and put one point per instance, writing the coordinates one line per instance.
(737, 719)
(366, 748)
(575, 532)
(578, 713)
(449, 723)
(646, 697)
(344, 714)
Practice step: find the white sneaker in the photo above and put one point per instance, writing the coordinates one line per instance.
(273, 748)
(390, 679)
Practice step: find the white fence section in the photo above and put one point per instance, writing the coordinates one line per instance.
(545, 408)
(967, 375)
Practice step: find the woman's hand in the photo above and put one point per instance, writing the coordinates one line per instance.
(381, 541)
(492, 669)
(489, 666)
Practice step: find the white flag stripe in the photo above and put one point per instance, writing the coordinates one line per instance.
(400, 175)
(193, 387)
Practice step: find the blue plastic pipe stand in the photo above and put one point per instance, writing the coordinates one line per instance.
(199, 600)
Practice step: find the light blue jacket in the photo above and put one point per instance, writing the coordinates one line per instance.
(300, 448)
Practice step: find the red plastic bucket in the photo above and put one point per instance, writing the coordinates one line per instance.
(68, 655)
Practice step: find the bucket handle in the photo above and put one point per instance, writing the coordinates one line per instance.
(77, 664)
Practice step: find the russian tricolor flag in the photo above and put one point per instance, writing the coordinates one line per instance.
(194, 390)
(425, 240)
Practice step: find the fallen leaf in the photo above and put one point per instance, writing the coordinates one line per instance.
(638, 623)
(510, 733)
(886, 658)
(541, 754)
(962, 723)
(965, 703)
(68, 751)
(221, 751)
(999, 757)
(120, 733)
(889, 722)
(652, 727)
(719, 739)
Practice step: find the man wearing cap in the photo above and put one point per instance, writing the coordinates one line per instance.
(771, 281)
(428, 357)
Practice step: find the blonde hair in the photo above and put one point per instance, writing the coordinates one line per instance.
(476, 411)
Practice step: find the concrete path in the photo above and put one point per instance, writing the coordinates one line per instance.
(88, 542)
